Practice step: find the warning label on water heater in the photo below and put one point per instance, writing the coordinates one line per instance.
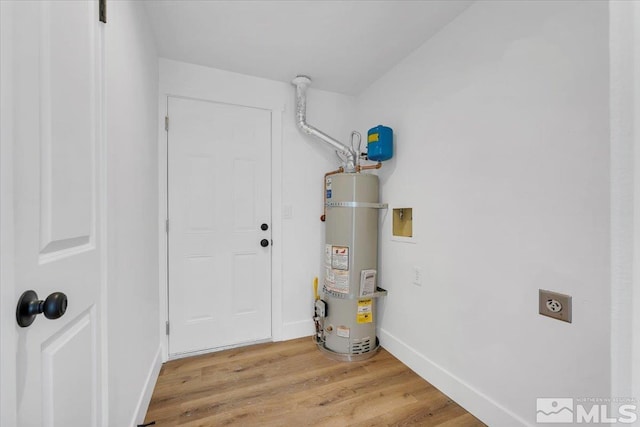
(365, 312)
(340, 257)
(337, 280)
(342, 331)
(336, 259)
(341, 281)
(367, 282)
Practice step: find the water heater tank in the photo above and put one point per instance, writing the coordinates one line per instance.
(351, 263)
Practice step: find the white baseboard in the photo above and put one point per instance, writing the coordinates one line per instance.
(477, 403)
(293, 330)
(147, 391)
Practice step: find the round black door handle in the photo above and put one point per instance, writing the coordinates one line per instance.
(264, 243)
(29, 306)
(264, 227)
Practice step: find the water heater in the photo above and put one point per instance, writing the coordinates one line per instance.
(345, 314)
(347, 310)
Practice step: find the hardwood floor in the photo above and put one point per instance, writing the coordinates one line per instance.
(292, 383)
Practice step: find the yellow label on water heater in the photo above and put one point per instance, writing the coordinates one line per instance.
(365, 312)
(373, 137)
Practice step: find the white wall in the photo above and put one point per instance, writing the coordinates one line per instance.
(299, 167)
(132, 180)
(502, 150)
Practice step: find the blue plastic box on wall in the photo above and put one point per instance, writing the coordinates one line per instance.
(380, 143)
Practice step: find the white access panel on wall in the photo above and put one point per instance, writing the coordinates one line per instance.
(219, 204)
(57, 107)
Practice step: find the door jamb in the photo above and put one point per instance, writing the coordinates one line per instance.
(276, 215)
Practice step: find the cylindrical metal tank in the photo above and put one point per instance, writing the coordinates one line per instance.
(351, 262)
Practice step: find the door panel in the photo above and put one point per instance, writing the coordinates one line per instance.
(76, 341)
(57, 111)
(219, 195)
(67, 123)
(201, 172)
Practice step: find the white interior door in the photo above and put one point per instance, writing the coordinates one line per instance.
(57, 122)
(219, 196)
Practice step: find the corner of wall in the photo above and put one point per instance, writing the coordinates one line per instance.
(133, 318)
(147, 390)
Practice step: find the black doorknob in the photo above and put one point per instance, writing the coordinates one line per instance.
(264, 227)
(264, 243)
(29, 306)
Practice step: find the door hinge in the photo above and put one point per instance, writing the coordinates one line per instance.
(167, 326)
(166, 123)
(102, 10)
(166, 225)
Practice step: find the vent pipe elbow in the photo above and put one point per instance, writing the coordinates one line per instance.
(302, 83)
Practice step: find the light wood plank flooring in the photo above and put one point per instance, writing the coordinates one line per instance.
(293, 384)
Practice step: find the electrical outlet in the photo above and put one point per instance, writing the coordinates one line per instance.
(555, 305)
(417, 276)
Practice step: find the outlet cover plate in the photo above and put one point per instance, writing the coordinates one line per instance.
(554, 305)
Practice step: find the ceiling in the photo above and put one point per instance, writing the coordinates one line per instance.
(344, 46)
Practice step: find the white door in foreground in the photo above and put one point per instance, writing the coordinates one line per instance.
(56, 103)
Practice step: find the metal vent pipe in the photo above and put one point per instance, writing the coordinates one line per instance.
(302, 83)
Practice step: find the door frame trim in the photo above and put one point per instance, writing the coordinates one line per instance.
(624, 106)
(276, 212)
